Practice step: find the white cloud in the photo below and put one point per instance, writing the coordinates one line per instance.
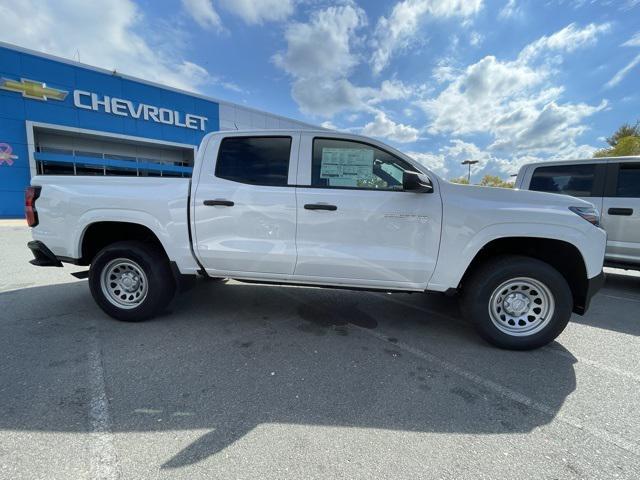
(390, 90)
(106, 34)
(621, 74)
(567, 40)
(396, 32)
(322, 47)
(622, 5)
(514, 102)
(255, 12)
(329, 125)
(384, 127)
(488, 162)
(252, 12)
(477, 95)
(447, 162)
(444, 73)
(633, 41)
(579, 151)
(203, 13)
(475, 39)
(320, 57)
(326, 96)
(509, 10)
(550, 129)
(435, 162)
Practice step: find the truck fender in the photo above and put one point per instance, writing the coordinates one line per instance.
(128, 216)
(447, 275)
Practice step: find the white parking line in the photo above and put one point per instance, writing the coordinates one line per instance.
(637, 300)
(571, 356)
(602, 434)
(593, 363)
(506, 392)
(104, 462)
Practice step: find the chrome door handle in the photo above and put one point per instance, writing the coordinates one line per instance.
(221, 203)
(320, 206)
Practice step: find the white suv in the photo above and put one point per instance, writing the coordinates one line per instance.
(611, 184)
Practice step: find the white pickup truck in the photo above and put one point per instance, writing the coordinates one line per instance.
(324, 209)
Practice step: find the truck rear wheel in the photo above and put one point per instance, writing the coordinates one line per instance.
(516, 302)
(131, 281)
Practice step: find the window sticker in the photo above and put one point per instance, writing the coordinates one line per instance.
(394, 170)
(344, 167)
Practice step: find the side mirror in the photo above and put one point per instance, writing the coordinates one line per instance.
(416, 182)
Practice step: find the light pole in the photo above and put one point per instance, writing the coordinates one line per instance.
(469, 162)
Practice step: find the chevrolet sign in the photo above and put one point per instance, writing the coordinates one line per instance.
(116, 106)
(32, 89)
(126, 108)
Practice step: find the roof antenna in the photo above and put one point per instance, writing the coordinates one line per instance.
(235, 125)
(78, 54)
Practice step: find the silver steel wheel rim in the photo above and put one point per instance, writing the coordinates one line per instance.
(124, 283)
(521, 306)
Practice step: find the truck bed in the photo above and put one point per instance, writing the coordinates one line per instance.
(68, 204)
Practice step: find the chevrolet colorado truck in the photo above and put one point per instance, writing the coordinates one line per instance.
(324, 209)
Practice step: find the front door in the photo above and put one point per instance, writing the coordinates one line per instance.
(245, 206)
(356, 225)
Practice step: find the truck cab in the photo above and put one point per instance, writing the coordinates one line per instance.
(314, 208)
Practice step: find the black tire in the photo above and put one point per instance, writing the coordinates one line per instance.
(483, 282)
(160, 288)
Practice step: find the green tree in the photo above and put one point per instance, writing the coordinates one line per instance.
(487, 181)
(460, 180)
(495, 181)
(625, 130)
(624, 147)
(624, 141)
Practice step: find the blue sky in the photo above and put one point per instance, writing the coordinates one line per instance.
(503, 82)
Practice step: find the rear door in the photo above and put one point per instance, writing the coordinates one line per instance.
(356, 225)
(245, 206)
(621, 211)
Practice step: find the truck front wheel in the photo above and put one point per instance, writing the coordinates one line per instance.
(517, 302)
(131, 281)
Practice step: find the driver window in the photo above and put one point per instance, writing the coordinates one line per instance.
(351, 164)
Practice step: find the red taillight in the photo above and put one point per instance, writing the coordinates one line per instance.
(31, 194)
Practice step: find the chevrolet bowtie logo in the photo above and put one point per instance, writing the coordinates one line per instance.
(32, 89)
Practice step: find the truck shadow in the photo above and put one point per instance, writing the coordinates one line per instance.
(229, 358)
(610, 308)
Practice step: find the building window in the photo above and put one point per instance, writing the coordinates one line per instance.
(255, 160)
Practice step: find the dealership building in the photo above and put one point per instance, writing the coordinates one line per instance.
(59, 117)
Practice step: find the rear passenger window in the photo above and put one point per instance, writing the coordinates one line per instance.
(255, 160)
(576, 180)
(628, 180)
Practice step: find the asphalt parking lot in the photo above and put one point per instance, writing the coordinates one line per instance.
(244, 381)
